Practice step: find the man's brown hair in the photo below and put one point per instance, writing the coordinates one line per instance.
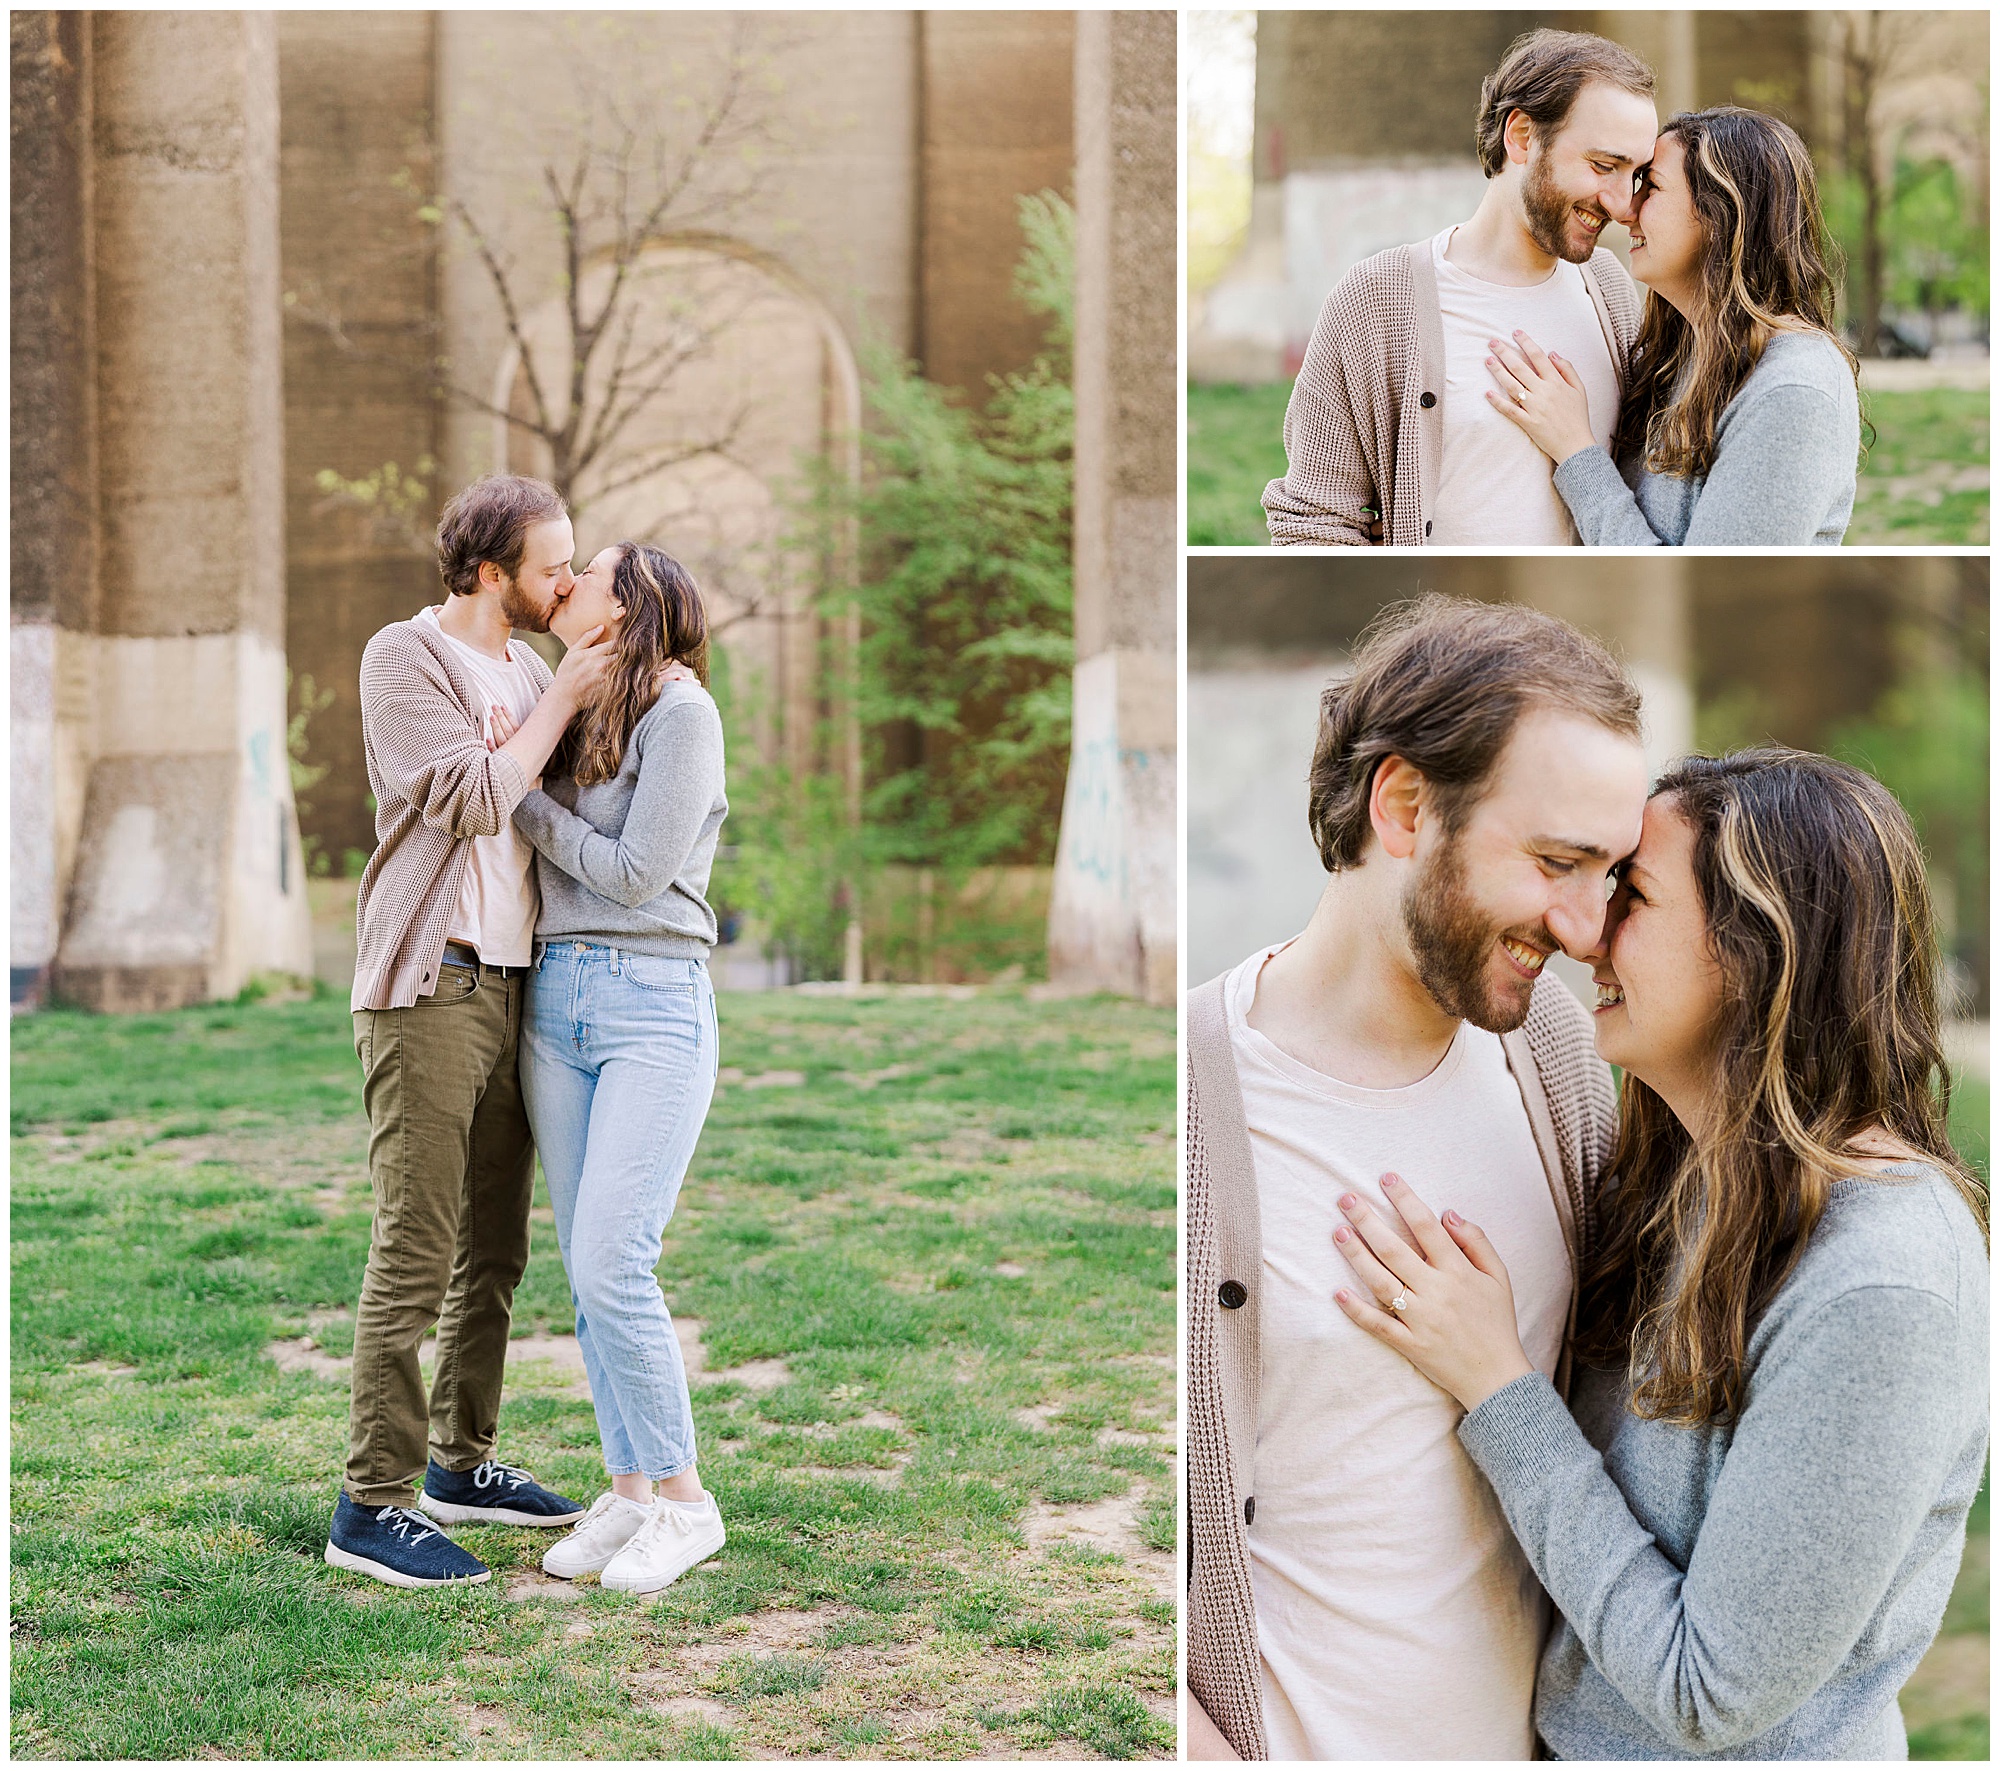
(490, 520)
(1541, 74)
(1442, 682)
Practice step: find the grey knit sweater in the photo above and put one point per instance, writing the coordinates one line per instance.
(1763, 1591)
(1786, 449)
(625, 862)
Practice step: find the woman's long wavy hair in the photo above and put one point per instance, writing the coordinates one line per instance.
(1819, 920)
(1764, 270)
(664, 624)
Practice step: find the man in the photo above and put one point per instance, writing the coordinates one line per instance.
(1354, 1591)
(445, 924)
(1388, 432)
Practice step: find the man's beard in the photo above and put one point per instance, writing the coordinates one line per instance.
(520, 612)
(1452, 940)
(1548, 212)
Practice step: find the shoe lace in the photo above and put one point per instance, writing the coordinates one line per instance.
(410, 1526)
(664, 1518)
(489, 1473)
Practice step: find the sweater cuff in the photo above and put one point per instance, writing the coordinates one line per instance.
(541, 820)
(1590, 474)
(1520, 1433)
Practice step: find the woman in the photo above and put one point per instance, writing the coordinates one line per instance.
(618, 1039)
(1751, 1524)
(1740, 423)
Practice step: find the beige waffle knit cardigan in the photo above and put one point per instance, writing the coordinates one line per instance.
(436, 787)
(1364, 430)
(1567, 1092)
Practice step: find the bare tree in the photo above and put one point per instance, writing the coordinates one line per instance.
(632, 188)
(1874, 52)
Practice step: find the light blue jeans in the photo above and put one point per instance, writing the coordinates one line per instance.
(618, 1056)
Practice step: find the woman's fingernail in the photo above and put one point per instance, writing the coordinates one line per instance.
(1345, 1297)
(1342, 1234)
(1452, 1217)
(1390, 1180)
(1348, 1202)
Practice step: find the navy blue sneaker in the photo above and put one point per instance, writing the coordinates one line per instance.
(399, 1546)
(493, 1494)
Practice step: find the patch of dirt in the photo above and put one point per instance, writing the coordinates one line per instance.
(730, 1077)
(104, 1368)
(754, 1374)
(1011, 1270)
(871, 1078)
(970, 1146)
(1040, 1418)
(562, 1352)
(694, 1709)
(524, 1585)
(484, 1722)
(772, 1631)
(306, 1354)
(1112, 1525)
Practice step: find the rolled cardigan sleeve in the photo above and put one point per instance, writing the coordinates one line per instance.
(1780, 464)
(1327, 496)
(680, 773)
(1837, 1457)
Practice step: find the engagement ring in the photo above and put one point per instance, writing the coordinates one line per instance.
(1397, 1302)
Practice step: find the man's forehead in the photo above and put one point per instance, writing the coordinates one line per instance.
(551, 541)
(1606, 119)
(1567, 774)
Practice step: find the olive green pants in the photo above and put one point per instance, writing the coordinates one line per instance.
(452, 1165)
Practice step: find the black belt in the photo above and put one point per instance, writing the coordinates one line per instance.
(457, 953)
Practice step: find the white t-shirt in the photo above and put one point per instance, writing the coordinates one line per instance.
(1495, 487)
(1396, 1616)
(499, 901)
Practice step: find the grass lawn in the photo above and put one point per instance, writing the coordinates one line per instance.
(925, 1269)
(1925, 480)
(1233, 453)
(1945, 1702)
(1924, 483)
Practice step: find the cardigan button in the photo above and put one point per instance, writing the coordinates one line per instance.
(1427, 528)
(1232, 1295)
(1250, 1510)
(1428, 401)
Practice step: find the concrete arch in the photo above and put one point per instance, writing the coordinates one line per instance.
(763, 282)
(770, 367)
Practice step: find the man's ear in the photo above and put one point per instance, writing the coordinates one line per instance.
(490, 575)
(1517, 134)
(1395, 801)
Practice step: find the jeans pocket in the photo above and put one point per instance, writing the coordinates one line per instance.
(648, 971)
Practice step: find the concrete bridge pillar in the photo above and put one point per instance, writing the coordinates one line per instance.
(184, 876)
(1112, 921)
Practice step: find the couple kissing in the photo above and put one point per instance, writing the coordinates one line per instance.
(532, 941)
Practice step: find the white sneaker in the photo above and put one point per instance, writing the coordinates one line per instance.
(677, 1536)
(600, 1535)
